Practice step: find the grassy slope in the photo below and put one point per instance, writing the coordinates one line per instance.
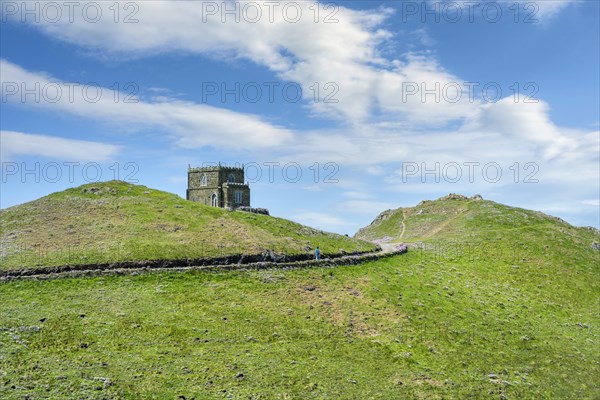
(128, 222)
(408, 327)
(432, 324)
(467, 228)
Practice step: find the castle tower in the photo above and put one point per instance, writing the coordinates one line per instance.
(218, 186)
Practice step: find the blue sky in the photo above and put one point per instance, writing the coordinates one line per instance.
(338, 110)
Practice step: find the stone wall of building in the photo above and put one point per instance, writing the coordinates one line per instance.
(236, 195)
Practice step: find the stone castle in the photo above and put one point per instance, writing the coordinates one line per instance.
(218, 186)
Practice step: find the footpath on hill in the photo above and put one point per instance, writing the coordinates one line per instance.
(228, 263)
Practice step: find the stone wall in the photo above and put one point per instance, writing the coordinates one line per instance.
(232, 262)
(229, 195)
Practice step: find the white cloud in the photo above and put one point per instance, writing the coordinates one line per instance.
(313, 188)
(542, 11)
(525, 123)
(504, 132)
(308, 52)
(556, 207)
(369, 207)
(357, 79)
(422, 93)
(423, 37)
(27, 144)
(358, 146)
(194, 125)
(375, 170)
(354, 194)
(324, 221)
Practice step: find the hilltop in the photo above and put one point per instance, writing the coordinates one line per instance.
(456, 224)
(455, 216)
(117, 221)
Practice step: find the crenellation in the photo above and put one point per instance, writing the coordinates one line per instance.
(213, 168)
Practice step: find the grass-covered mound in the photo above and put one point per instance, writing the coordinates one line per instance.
(117, 221)
(455, 227)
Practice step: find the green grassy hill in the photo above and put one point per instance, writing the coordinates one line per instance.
(458, 227)
(496, 303)
(117, 221)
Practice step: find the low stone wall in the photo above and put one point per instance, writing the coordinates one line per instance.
(248, 262)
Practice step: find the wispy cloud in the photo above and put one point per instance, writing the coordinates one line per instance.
(192, 125)
(14, 144)
(369, 207)
(328, 222)
(355, 81)
(543, 11)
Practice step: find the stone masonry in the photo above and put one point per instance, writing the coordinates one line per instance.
(218, 186)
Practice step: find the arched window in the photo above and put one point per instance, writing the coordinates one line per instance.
(214, 201)
(238, 197)
(203, 180)
(231, 178)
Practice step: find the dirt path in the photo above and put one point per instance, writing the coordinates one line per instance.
(391, 247)
(403, 225)
(444, 224)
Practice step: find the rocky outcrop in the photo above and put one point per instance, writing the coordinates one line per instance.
(253, 210)
(99, 190)
(454, 196)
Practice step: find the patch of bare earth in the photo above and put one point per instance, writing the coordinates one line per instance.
(344, 307)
